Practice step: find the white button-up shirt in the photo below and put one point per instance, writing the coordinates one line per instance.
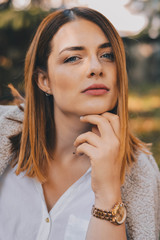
(24, 214)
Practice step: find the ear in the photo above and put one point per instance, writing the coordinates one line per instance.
(43, 82)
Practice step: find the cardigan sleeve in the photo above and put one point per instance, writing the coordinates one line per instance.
(11, 118)
(141, 194)
(4, 109)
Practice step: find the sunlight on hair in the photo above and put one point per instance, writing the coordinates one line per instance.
(18, 99)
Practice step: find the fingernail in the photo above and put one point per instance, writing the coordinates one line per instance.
(81, 117)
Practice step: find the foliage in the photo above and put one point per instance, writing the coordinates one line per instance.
(16, 20)
(144, 108)
(151, 9)
(16, 31)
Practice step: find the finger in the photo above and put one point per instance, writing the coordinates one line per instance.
(95, 130)
(88, 137)
(102, 123)
(114, 121)
(87, 149)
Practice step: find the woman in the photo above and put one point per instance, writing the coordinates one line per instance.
(75, 147)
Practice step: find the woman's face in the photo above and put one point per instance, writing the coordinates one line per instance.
(82, 58)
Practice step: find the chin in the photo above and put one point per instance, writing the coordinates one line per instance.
(98, 111)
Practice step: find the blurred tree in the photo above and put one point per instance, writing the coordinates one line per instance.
(5, 4)
(151, 8)
(16, 32)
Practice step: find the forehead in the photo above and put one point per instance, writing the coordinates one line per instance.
(79, 32)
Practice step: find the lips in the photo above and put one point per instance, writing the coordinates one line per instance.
(96, 89)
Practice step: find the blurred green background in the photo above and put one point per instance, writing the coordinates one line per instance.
(17, 27)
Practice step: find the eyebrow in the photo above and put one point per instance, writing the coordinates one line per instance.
(80, 48)
(105, 45)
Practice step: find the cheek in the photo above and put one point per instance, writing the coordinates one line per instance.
(61, 81)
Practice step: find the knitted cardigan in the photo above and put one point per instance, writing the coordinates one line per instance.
(140, 192)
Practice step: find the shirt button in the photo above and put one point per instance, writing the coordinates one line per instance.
(47, 220)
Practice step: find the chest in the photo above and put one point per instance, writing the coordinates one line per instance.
(52, 192)
(58, 184)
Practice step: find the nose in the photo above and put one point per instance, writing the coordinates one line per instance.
(95, 68)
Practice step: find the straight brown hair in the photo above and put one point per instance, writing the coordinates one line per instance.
(38, 135)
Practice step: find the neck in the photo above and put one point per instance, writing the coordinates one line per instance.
(68, 128)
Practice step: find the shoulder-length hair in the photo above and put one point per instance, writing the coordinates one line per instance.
(38, 135)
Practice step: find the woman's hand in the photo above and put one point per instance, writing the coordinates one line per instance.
(102, 146)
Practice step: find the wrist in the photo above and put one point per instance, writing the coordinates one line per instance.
(106, 201)
(116, 215)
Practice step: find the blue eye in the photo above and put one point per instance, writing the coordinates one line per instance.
(71, 59)
(109, 56)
